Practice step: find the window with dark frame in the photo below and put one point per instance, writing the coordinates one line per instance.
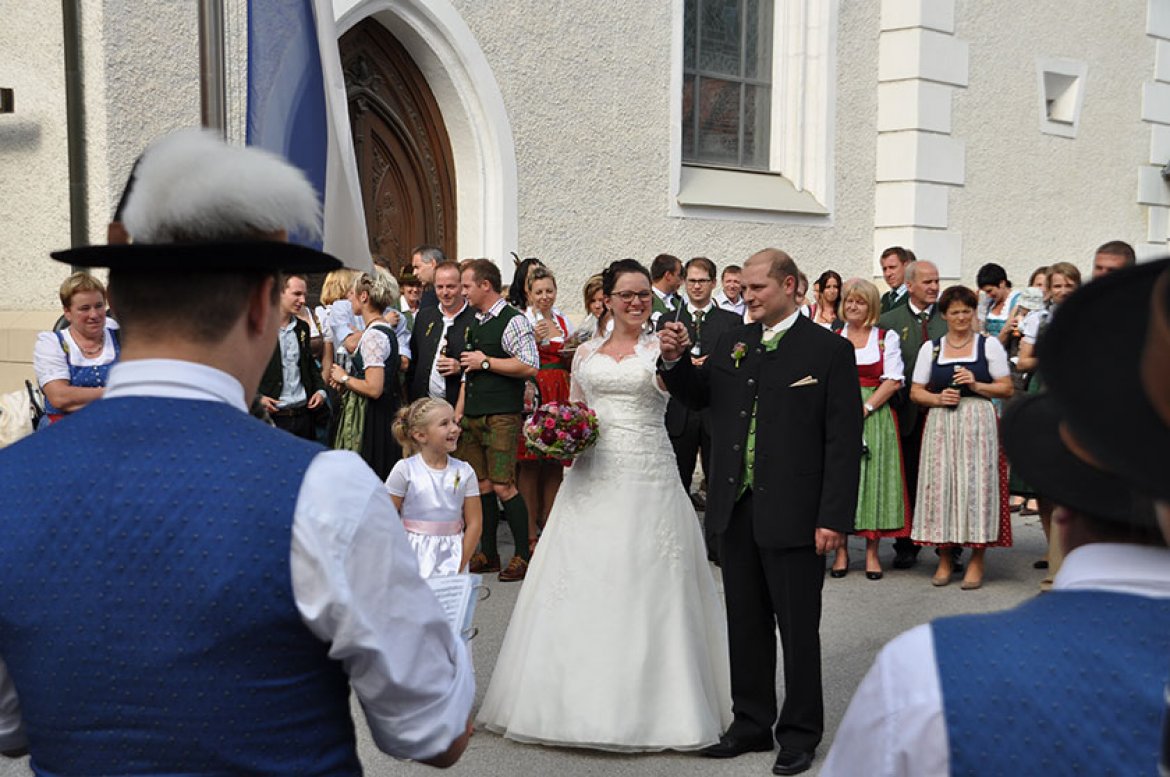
(727, 83)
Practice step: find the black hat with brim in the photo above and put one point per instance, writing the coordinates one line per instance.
(1091, 362)
(1032, 440)
(240, 256)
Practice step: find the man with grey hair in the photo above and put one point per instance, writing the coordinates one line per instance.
(234, 582)
(423, 260)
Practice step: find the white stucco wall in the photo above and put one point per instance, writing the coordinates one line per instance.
(1031, 199)
(33, 156)
(140, 68)
(594, 157)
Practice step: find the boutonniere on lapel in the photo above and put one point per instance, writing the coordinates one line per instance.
(430, 326)
(905, 331)
(457, 478)
(738, 351)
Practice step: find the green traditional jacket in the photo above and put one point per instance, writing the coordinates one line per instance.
(909, 330)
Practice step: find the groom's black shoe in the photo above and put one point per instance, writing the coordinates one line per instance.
(730, 745)
(792, 762)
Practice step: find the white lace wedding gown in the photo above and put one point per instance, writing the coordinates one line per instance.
(618, 640)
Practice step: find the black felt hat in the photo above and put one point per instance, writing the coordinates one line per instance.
(1032, 440)
(200, 258)
(1091, 360)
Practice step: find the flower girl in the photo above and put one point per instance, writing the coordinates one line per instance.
(436, 494)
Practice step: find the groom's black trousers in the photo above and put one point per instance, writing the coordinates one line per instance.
(766, 588)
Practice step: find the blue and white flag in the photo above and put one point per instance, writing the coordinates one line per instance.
(297, 108)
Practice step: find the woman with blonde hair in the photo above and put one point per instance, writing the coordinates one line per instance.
(540, 478)
(882, 504)
(72, 364)
(436, 494)
(369, 399)
(334, 318)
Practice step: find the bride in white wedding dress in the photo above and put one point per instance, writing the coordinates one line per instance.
(618, 640)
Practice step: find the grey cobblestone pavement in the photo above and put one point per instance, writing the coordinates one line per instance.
(859, 617)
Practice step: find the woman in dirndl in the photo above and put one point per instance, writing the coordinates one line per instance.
(962, 483)
(540, 478)
(369, 396)
(882, 506)
(73, 364)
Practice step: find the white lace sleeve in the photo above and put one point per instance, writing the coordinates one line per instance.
(375, 348)
(648, 350)
(583, 354)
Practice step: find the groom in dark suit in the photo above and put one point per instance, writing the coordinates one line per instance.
(786, 427)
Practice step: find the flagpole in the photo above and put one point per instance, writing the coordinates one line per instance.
(212, 66)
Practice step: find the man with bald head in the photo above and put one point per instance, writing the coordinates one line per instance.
(916, 321)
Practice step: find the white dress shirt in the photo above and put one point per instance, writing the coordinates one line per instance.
(437, 385)
(739, 307)
(355, 582)
(895, 726)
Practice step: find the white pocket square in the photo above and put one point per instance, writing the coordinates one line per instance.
(807, 380)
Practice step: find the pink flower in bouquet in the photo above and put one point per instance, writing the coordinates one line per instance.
(550, 423)
(562, 436)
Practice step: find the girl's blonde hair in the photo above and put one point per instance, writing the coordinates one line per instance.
(337, 284)
(414, 418)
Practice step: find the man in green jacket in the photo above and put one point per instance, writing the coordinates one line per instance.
(916, 322)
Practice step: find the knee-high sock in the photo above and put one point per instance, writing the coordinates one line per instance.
(491, 522)
(516, 514)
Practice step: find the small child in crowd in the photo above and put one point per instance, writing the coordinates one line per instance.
(436, 494)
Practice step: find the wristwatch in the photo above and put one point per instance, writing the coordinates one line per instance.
(344, 379)
(485, 365)
(868, 407)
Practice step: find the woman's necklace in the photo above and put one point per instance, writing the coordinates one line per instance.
(92, 350)
(962, 345)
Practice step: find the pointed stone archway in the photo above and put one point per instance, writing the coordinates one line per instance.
(403, 152)
(440, 43)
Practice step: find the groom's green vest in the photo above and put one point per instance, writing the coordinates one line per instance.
(489, 393)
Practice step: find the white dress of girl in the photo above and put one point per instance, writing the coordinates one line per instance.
(432, 510)
(618, 640)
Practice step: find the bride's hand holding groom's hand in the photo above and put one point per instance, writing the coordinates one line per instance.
(674, 341)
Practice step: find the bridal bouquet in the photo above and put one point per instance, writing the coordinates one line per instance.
(561, 430)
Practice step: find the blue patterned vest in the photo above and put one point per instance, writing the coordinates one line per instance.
(146, 608)
(1068, 683)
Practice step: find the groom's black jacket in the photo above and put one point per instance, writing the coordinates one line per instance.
(808, 437)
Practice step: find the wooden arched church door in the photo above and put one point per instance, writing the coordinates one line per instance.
(403, 152)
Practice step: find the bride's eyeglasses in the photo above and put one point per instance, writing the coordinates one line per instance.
(629, 296)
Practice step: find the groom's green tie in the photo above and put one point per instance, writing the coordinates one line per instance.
(749, 452)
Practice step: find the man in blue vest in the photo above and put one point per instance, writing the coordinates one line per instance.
(198, 593)
(1073, 677)
(1123, 417)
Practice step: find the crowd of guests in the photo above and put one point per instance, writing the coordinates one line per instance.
(388, 366)
(236, 581)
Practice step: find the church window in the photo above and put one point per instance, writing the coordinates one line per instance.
(727, 83)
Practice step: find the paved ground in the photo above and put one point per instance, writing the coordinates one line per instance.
(859, 617)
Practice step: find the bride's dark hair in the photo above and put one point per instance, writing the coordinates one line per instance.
(617, 269)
